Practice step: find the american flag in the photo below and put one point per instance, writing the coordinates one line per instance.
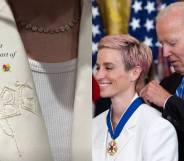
(98, 33)
(142, 22)
(97, 29)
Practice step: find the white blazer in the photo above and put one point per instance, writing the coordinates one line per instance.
(145, 137)
(22, 131)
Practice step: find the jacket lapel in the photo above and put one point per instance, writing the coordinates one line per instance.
(81, 139)
(127, 134)
(100, 133)
(21, 123)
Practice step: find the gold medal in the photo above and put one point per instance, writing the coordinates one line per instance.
(112, 148)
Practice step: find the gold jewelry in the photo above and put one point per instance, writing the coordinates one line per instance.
(112, 148)
(35, 28)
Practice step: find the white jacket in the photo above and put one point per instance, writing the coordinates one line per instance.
(145, 137)
(22, 131)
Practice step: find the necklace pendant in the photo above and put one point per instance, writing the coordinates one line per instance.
(112, 148)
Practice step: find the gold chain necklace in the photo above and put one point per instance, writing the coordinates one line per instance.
(40, 29)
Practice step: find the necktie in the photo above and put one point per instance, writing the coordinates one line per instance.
(180, 89)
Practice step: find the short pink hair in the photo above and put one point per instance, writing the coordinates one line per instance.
(134, 53)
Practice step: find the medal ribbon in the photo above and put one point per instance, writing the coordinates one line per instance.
(129, 112)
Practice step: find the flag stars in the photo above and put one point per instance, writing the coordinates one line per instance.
(148, 41)
(162, 6)
(95, 12)
(137, 6)
(149, 24)
(135, 23)
(94, 47)
(95, 30)
(150, 7)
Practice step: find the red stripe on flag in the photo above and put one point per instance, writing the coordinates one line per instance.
(96, 90)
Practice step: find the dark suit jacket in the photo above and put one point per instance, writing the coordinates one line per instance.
(174, 109)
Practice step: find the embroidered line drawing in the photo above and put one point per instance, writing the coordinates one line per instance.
(12, 103)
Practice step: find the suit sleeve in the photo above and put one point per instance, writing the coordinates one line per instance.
(161, 142)
(175, 109)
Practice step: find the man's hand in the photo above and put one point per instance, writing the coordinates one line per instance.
(154, 93)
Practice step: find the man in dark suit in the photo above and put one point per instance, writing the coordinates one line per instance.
(168, 96)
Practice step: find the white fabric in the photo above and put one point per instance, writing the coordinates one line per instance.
(166, 101)
(23, 136)
(145, 137)
(82, 123)
(56, 101)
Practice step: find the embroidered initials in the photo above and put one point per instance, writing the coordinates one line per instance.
(12, 102)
